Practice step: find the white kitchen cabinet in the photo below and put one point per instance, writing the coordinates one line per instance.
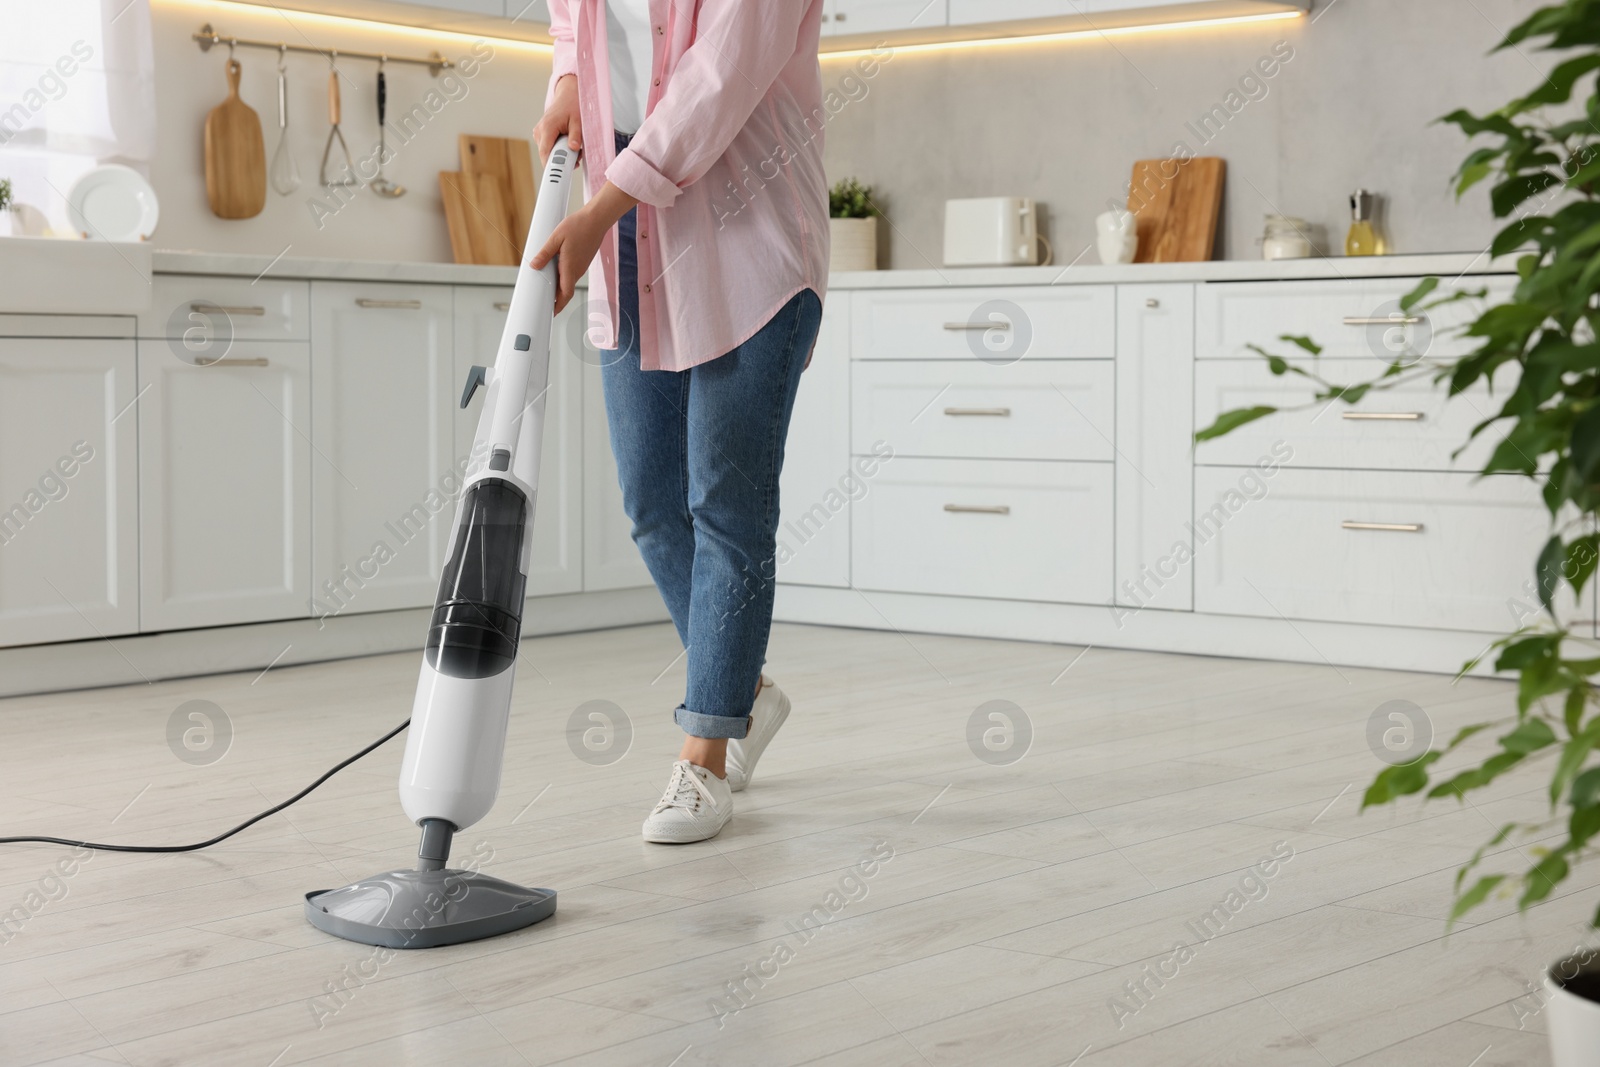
(1414, 425)
(610, 558)
(224, 485)
(68, 483)
(1416, 549)
(819, 480)
(1034, 409)
(556, 565)
(882, 16)
(1356, 318)
(1105, 13)
(1155, 427)
(386, 469)
(998, 326)
(1004, 529)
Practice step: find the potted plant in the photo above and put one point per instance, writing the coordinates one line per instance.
(853, 225)
(1546, 175)
(6, 214)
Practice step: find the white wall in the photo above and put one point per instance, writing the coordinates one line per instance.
(503, 99)
(1063, 123)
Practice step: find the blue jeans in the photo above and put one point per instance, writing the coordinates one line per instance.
(698, 455)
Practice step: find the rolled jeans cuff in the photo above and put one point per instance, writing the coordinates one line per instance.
(696, 724)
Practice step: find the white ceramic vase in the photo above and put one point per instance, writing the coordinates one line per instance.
(1573, 1021)
(855, 244)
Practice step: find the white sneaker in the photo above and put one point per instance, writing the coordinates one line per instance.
(695, 807)
(770, 710)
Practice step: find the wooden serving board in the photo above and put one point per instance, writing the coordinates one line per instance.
(236, 156)
(476, 215)
(509, 160)
(1177, 204)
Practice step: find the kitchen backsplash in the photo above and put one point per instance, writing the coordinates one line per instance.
(1304, 113)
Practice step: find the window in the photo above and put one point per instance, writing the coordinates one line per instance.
(77, 88)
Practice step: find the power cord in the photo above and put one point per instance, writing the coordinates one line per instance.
(379, 743)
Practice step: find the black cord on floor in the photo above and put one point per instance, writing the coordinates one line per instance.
(379, 743)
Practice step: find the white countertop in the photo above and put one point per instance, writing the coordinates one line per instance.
(1082, 273)
(95, 278)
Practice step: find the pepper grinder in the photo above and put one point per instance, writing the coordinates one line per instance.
(1363, 239)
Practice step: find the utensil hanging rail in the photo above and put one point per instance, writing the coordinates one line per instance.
(207, 36)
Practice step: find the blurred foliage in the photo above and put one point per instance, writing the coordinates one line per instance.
(1542, 344)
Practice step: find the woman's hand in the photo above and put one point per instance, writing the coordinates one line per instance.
(561, 117)
(577, 238)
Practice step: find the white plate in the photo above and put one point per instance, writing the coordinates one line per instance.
(113, 203)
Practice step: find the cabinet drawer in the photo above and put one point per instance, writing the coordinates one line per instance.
(989, 528)
(994, 325)
(224, 486)
(1028, 410)
(1415, 426)
(1231, 315)
(1459, 553)
(204, 311)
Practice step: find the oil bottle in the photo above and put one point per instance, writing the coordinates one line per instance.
(1363, 239)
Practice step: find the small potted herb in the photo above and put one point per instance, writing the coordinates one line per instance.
(854, 226)
(6, 228)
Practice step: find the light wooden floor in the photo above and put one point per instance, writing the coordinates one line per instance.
(1019, 902)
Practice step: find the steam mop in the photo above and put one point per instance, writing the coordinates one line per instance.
(451, 772)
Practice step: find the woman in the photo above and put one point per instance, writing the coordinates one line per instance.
(708, 207)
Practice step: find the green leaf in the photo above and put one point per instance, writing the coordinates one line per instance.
(1529, 737)
(1547, 572)
(1573, 755)
(1417, 295)
(1543, 878)
(1304, 342)
(1582, 556)
(1230, 421)
(1514, 191)
(1520, 654)
(1476, 778)
(1392, 783)
(1586, 443)
(1577, 700)
(1586, 789)
(1475, 896)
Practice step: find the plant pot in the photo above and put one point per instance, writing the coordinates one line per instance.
(855, 244)
(10, 225)
(1572, 986)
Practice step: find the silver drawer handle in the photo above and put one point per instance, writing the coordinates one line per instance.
(254, 361)
(502, 306)
(1382, 416)
(204, 309)
(979, 509)
(1391, 320)
(977, 325)
(1393, 527)
(1000, 413)
(399, 305)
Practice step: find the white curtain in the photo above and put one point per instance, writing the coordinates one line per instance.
(77, 88)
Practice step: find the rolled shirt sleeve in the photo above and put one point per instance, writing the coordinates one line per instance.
(740, 49)
(565, 59)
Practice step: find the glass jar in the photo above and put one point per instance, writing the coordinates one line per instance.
(1286, 237)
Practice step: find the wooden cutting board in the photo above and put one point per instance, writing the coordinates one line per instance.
(476, 215)
(236, 156)
(1177, 204)
(509, 160)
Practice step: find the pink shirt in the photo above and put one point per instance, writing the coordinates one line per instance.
(727, 169)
